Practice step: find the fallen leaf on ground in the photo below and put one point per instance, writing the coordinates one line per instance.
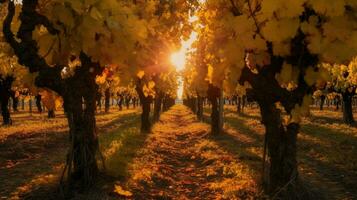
(120, 191)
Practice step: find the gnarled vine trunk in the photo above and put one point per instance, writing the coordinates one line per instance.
(127, 101)
(146, 105)
(280, 138)
(171, 102)
(80, 95)
(244, 102)
(22, 104)
(166, 103)
(145, 115)
(4, 100)
(15, 100)
(193, 103)
(51, 114)
(337, 102)
(78, 91)
(134, 102)
(99, 101)
(281, 143)
(347, 108)
(5, 94)
(322, 101)
(200, 108)
(157, 106)
(214, 95)
(38, 103)
(120, 102)
(239, 104)
(107, 100)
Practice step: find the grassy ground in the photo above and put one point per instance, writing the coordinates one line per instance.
(33, 150)
(179, 159)
(326, 149)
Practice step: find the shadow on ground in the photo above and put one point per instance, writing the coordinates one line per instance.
(34, 161)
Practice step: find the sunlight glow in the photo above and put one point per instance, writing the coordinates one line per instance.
(178, 59)
(180, 88)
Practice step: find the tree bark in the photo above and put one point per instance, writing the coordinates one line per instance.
(30, 104)
(99, 101)
(337, 102)
(347, 108)
(165, 103)
(134, 102)
(322, 101)
(78, 91)
(80, 104)
(38, 103)
(51, 114)
(221, 109)
(171, 102)
(4, 99)
(5, 94)
(127, 101)
(107, 100)
(120, 102)
(145, 115)
(239, 104)
(15, 100)
(244, 101)
(84, 141)
(281, 143)
(200, 108)
(157, 106)
(146, 105)
(193, 102)
(22, 104)
(214, 96)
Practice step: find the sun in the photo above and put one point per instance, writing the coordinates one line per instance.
(178, 59)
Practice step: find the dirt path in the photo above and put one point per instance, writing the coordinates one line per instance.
(182, 161)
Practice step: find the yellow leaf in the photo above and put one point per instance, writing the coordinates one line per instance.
(101, 79)
(151, 84)
(76, 5)
(119, 190)
(140, 74)
(58, 103)
(64, 15)
(96, 14)
(45, 44)
(210, 73)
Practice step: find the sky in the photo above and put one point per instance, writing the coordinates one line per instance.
(178, 58)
